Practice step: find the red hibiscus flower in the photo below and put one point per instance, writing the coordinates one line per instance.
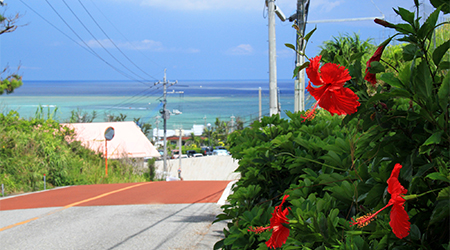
(280, 233)
(331, 93)
(399, 218)
(375, 58)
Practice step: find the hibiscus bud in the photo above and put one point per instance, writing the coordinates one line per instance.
(384, 23)
(410, 197)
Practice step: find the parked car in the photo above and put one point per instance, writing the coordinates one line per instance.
(220, 152)
(191, 153)
(198, 155)
(176, 154)
(207, 150)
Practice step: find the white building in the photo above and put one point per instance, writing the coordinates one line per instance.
(158, 134)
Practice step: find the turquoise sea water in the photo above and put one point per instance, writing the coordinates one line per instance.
(200, 101)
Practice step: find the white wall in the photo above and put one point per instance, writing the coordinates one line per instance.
(215, 167)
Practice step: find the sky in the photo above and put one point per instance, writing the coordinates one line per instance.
(192, 39)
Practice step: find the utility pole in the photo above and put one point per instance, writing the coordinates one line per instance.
(157, 127)
(232, 123)
(272, 60)
(166, 115)
(301, 16)
(260, 106)
(273, 100)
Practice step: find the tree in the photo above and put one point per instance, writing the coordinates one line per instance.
(194, 141)
(343, 49)
(12, 80)
(115, 118)
(146, 128)
(80, 116)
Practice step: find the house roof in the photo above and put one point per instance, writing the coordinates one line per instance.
(128, 141)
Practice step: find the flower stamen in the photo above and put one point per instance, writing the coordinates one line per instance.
(309, 115)
(364, 220)
(257, 230)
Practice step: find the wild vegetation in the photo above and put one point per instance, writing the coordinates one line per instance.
(376, 178)
(31, 148)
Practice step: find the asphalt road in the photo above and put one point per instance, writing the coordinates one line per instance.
(156, 215)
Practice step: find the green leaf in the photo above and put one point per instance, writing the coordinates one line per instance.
(423, 169)
(406, 15)
(444, 65)
(422, 80)
(440, 212)
(444, 93)
(299, 68)
(310, 34)
(376, 67)
(291, 46)
(344, 192)
(434, 138)
(415, 232)
(357, 56)
(332, 158)
(383, 243)
(444, 4)
(219, 245)
(444, 194)
(411, 51)
(438, 177)
(375, 195)
(390, 79)
(310, 172)
(429, 25)
(440, 51)
(400, 93)
(408, 39)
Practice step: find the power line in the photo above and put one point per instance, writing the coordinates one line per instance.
(107, 51)
(112, 24)
(142, 95)
(117, 47)
(86, 47)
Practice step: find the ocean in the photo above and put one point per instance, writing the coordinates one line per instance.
(198, 102)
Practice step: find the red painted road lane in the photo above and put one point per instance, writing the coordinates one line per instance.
(175, 192)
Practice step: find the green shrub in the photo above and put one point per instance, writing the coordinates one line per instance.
(335, 169)
(31, 148)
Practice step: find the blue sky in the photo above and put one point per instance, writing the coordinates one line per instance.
(193, 39)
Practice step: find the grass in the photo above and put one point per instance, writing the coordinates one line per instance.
(31, 148)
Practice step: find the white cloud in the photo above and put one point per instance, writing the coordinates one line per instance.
(242, 49)
(146, 44)
(285, 53)
(99, 43)
(325, 5)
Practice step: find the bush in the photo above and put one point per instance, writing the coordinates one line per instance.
(335, 171)
(31, 148)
